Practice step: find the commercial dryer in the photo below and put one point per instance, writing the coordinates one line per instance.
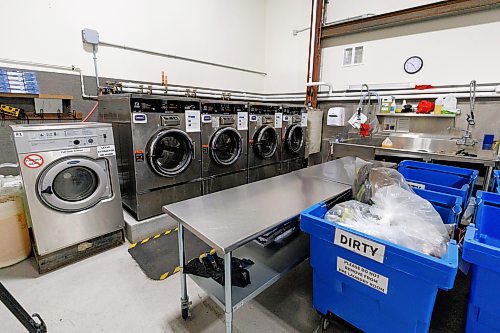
(224, 132)
(264, 138)
(72, 192)
(293, 139)
(158, 149)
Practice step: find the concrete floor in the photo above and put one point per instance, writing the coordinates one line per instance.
(110, 293)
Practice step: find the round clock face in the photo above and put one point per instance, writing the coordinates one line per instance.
(413, 65)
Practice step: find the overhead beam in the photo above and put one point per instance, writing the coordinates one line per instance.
(406, 16)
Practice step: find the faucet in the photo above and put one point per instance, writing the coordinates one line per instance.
(466, 139)
(372, 126)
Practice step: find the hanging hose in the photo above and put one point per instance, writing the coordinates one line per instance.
(91, 112)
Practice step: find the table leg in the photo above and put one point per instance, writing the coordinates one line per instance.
(186, 313)
(487, 178)
(228, 292)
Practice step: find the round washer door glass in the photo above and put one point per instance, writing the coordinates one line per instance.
(225, 146)
(170, 152)
(74, 184)
(295, 138)
(265, 142)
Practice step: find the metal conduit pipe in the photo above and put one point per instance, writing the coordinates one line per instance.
(326, 98)
(58, 67)
(172, 56)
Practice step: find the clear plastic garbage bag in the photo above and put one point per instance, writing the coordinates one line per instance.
(398, 216)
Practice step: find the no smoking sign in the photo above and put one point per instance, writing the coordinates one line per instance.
(33, 161)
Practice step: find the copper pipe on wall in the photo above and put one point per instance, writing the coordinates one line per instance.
(313, 72)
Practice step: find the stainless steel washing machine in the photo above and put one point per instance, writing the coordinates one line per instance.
(264, 138)
(158, 149)
(70, 175)
(224, 142)
(293, 139)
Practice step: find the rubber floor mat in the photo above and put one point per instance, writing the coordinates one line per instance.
(158, 256)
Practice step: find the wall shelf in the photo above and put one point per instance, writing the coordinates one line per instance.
(416, 115)
(48, 96)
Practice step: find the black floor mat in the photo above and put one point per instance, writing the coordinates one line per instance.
(158, 256)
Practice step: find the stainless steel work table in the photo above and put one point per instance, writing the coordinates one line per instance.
(229, 220)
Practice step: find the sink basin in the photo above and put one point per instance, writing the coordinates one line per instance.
(439, 145)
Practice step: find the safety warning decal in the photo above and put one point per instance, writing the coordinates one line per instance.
(108, 150)
(363, 275)
(33, 161)
(359, 245)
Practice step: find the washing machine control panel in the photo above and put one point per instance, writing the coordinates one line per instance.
(170, 121)
(61, 139)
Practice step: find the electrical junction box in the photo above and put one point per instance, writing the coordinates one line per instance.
(90, 36)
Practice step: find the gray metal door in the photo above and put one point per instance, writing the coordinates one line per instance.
(74, 184)
(170, 152)
(265, 142)
(225, 146)
(294, 139)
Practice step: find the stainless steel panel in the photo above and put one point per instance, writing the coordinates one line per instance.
(342, 170)
(292, 165)
(144, 190)
(427, 147)
(223, 182)
(251, 209)
(264, 172)
(149, 204)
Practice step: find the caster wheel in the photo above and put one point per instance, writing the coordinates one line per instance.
(186, 314)
(324, 323)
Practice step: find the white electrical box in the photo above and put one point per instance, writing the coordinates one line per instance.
(335, 117)
(90, 36)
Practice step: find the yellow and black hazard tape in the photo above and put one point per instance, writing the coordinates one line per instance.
(167, 232)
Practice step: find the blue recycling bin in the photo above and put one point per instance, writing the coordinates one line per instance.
(371, 283)
(448, 176)
(448, 206)
(481, 248)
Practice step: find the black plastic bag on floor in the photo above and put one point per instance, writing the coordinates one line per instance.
(212, 266)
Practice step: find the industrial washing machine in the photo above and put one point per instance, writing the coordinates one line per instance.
(293, 139)
(224, 132)
(158, 149)
(264, 138)
(69, 172)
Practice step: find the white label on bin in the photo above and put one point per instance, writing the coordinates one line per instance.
(416, 185)
(363, 275)
(359, 245)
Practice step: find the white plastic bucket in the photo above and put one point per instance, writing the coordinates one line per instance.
(15, 244)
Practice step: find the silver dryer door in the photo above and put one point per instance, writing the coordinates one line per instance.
(74, 184)
(170, 152)
(294, 139)
(226, 146)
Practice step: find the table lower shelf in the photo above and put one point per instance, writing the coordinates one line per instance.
(270, 264)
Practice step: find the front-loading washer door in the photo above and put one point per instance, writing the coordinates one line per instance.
(226, 146)
(74, 184)
(265, 142)
(294, 139)
(170, 152)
